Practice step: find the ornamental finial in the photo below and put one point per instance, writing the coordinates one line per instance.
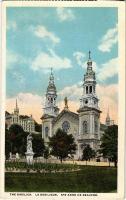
(66, 103)
(89, 55)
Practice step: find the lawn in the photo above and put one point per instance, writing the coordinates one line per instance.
(87, 179)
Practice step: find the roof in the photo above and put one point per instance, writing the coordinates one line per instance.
(75, 115)
(24, 117)
(46, 116)
(7, 113)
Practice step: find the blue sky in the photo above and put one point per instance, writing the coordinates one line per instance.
(41, 38)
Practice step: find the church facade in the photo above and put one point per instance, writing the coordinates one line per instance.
(83, 125)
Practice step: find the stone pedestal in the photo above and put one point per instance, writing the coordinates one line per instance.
(29, 157)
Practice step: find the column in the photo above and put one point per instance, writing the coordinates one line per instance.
(50, 128)
(79, 125)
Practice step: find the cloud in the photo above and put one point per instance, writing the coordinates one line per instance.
(108, 40)
(103, 71)
(73, 92)
(79, 56)
(18, 77)
(65, 14)
(108, 96)
(42, 32)
(11, 25)
(108, 70)
(13, 58)
(28, 104)
(47, 60)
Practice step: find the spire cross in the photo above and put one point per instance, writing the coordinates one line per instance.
(51, 70)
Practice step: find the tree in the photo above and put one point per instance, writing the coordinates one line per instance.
(62, 145)
(109, 144)
(88, 153)
(38, 127)
(38, 145)
(7, 144)
(46, 153)
(17, 137)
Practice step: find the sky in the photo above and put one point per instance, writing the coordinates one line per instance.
(60, 38)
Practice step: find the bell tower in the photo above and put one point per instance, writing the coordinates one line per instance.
(50, 111)
(51, 96)
(89, 97)
(89, 112)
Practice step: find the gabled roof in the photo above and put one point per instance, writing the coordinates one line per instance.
(46, 116)
(7, 113)
(75, 115)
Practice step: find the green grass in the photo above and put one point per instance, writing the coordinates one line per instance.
(88, 179)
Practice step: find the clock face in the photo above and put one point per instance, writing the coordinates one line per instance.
(66, 126)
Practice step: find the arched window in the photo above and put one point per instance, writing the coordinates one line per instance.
(86, 89)
(46, 131)
(90, 89)
(85, 127)
(66, 126)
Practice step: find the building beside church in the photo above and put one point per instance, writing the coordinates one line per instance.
(26, 122)
(109, 122)
(83, 125)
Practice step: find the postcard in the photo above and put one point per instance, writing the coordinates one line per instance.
(63, 100)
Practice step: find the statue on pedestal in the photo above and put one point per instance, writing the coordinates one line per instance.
(29, 143)
(29, 154)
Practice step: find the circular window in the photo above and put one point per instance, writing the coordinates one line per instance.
(66, 126)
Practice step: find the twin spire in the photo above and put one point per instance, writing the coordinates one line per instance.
(89, 62)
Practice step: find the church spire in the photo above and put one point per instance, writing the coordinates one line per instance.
(89, 62)
(51, 78)
(16, 110)
(16, 104)
(89, 97)
(51, 96)
(108, 113)
(108, 121)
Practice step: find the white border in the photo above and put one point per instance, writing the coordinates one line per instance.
(121, 116)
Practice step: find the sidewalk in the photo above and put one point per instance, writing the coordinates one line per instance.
(93, 163)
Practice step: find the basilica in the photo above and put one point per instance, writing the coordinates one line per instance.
(85, 124)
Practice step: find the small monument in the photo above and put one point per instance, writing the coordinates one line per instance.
(17, 156)
(10, 155)
(29, 154)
